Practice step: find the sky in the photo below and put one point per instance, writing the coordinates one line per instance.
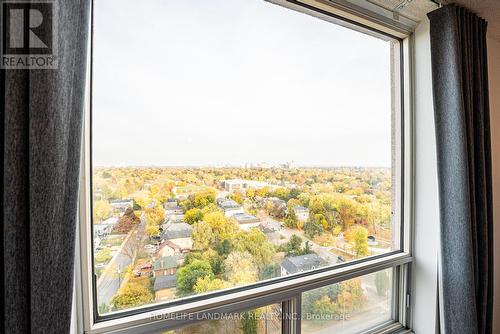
(217, 82)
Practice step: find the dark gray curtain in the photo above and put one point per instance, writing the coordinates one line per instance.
(460, 88)
(42, 134)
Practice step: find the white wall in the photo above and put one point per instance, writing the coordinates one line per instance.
(494, 86)
(426, 190)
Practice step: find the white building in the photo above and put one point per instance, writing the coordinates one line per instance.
(246, 221)
(243, 185)
(230, 207)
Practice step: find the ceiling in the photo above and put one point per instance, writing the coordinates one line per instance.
(488, 9)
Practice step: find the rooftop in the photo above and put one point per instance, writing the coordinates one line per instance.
(177, 230)
(301, 263)
(229, 204)
(245, 218)
(166, 262)
(165, 282)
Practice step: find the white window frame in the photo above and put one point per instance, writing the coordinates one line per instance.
(358, 15)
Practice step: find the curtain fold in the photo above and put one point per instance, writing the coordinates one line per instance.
(42, 113)
(461, 106)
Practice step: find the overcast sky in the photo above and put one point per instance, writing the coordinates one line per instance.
(218, 82)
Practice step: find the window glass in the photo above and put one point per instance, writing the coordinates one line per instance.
(348, 307)
(235, 142)
(264, 320)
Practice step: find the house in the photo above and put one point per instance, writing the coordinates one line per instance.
(105, 227)
(176, 239)
(166, 265)
(246, 221)
(164, 287)
(230, 207)
(120, 205)
(301, 213)
(297, 264)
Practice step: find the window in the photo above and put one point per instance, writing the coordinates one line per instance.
(245, 154)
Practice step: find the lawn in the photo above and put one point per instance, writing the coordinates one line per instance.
(103, 256)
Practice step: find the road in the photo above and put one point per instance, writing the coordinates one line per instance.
(110, 280)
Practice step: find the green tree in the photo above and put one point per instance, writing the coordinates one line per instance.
(293, 246)
(314, 226)
(249, 322)
(188, 275)
(291, 219)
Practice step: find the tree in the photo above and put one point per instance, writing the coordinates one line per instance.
(237, 197)
(293, 246)
(351, 297)
(152, 230)
(249, 322)
(193, 215)
(359, 237)
(222, 226)
(223, 247)
(311, 297)
(203, 236)
(307, 248)
(204, 198)
(240, 268)
(291, 219)
(382, 282)
(315, 225)
(251, 193)
(211, 208)
(210, 256)
(102, 210)
(256, 243)
(127, 221)
(206, 284)
(270, 271)
(131, 295)
(324, 308)
(188, 275)
(154, 215)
